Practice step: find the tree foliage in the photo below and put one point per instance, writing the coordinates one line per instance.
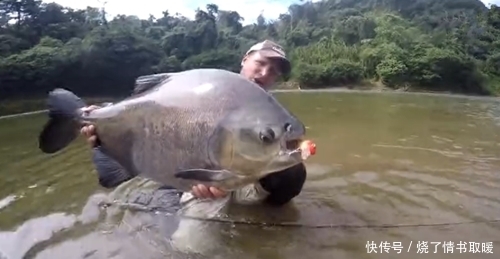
(449, 45)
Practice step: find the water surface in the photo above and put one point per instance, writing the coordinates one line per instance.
(383, 159)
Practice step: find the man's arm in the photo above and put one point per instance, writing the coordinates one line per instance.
(285, 185)
(275, 189)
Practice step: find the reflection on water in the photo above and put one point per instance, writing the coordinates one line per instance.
(17, 243)
(383, 159)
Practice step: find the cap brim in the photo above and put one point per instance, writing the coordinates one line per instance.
(285, 65)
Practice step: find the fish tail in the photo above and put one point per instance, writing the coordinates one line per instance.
(63, 125)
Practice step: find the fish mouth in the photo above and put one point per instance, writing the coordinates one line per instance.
(290, 154)
(291, 148)
(293, 144)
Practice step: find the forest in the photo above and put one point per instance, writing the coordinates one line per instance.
(424, 45)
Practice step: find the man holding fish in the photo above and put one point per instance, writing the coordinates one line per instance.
(263, 64)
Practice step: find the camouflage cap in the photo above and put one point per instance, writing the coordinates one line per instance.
(271, 49)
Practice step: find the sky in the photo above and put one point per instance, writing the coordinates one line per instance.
(486, 2)
(248, 9)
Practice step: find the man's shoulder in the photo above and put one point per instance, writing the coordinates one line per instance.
(284, 185)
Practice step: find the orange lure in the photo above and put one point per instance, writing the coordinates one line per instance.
(308, 148)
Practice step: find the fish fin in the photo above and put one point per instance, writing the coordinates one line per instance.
(204, 175)
(148, 82)
(65, 103)
(57, 133)
(109, 172)
(63, 126)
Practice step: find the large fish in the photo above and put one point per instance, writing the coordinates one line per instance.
(203, 125)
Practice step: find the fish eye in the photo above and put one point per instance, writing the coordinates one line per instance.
(288, 127)
(267, 135)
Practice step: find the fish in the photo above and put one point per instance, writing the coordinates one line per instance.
(209, 126)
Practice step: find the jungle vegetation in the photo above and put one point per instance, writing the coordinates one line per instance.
(446, 45)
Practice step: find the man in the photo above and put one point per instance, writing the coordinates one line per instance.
(263, 63)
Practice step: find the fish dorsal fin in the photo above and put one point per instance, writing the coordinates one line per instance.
(148, 82)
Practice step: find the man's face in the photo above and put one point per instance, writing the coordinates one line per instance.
(262, 70)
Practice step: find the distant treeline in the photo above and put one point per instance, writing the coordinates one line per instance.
(450, 45)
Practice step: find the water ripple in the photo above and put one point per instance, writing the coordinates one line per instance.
(382, 159)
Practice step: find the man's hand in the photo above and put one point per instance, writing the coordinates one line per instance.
(202, 191)
(89, 130)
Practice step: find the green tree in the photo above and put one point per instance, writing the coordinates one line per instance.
(447, 45)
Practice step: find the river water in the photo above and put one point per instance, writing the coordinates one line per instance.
(426, 167)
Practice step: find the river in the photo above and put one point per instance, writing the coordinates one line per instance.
(405, 161)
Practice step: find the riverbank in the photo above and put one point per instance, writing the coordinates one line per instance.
(365, 85)
(18, 107)
(373, 86)
(13, 108)
(9, 108)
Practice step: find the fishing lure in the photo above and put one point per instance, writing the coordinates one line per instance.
(307, 148)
